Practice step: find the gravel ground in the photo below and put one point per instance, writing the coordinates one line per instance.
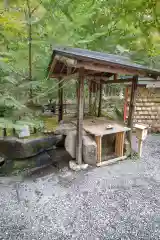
(121, 201)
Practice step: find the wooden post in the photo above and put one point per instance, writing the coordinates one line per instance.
(132, 101)
(4, 132)
(100, 100)
(131, 108)
(80, 94)
(115, 77)
(90, 97)
(140, 143)
(60, 98)
(125, 104)
(94, 106)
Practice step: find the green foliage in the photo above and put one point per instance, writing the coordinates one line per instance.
(130, 28)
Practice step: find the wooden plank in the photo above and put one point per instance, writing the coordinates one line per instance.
(106, 68)
(122, 144)
(109, 69)
(117, 81)
(111, 161)
(98, 140)
(119, 145)
(60, 98)
(100, 99)
(116, 144)
(96, 78)
(80, 100)
(99, 130)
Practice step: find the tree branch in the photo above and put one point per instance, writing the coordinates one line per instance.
(34, 9)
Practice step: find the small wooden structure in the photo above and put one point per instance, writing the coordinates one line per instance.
(147, 107)
(99, 128)
(141, 134)
(97, 68)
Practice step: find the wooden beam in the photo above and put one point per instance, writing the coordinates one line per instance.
(118, 81)
(111, 161)
(132, 101)
(106, 68)
(96, 78)
(80, 94)
(60, 98)
(131, 109)
(65, 77)
(106, 81)
(109, 69)
(100, 99)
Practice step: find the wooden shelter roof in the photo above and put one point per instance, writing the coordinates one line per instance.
(67, 61)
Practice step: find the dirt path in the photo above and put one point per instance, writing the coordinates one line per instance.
(121, 201)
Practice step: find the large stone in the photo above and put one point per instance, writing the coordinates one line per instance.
(70, 143)
(65, 128)
(60, 144)
(89, 150)
(15, 148)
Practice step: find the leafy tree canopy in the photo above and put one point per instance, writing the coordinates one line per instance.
(30, 28)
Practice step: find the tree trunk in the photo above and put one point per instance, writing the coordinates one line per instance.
(29, 47)
(6, 4)
(4, 132)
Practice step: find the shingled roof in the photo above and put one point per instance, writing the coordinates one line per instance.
(109, 60)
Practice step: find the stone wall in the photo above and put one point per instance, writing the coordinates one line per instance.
(147, 110)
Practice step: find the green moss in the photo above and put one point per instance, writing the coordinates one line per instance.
(21, 165)
(16, 166)
(50, 123)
